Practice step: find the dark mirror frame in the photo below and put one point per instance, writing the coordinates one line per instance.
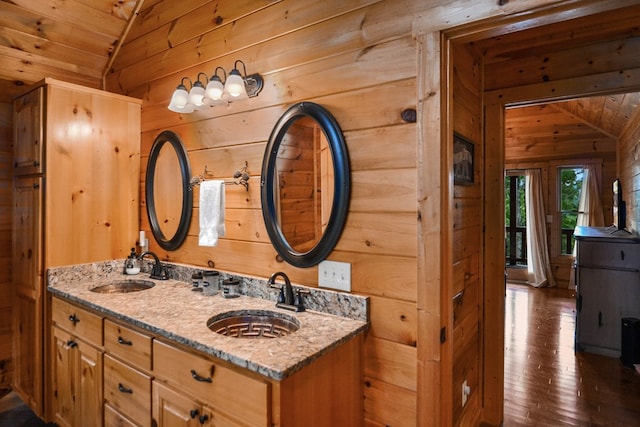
(342, 185)
(174, 242)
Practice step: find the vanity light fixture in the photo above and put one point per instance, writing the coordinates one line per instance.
(238, 86)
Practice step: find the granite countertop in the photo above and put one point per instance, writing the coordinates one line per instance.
(171, 310)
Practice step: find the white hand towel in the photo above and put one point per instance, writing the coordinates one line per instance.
(211, 212)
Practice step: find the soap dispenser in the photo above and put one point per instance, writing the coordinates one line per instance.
(132, 265)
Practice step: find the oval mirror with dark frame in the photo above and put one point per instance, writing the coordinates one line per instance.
(168, 196)
(305, 184)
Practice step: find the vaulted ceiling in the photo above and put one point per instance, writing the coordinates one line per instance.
(76, 41)
(560, 129)
(71, 40)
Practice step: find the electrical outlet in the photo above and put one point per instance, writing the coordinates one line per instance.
(335, 275)
(466, 391)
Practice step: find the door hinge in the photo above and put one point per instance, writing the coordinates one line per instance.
(443, 335)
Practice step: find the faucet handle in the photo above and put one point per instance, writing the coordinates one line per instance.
(297, 300)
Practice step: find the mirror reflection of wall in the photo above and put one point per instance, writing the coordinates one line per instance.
(168, 195)
(305, 182)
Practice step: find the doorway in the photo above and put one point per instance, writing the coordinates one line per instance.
(520, 71)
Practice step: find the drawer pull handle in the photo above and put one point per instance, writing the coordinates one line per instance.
(124, 342)
(74, 319)
(600, 319)
(197, 377)
(194, 413)
(124, 389)
(72, 344)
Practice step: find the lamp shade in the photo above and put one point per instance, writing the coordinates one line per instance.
(215, 88)
(234, 87)
(179, 100)
(196, 95)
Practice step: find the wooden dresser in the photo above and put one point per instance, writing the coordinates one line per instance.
(608, 287)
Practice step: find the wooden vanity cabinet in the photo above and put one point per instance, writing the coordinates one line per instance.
(77, 366)
(114, 374)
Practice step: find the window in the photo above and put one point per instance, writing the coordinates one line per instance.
(515, 220)
(570, 185)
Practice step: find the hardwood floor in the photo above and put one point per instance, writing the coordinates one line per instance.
(546, 383)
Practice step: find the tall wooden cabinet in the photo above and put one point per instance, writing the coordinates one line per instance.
(76, 200)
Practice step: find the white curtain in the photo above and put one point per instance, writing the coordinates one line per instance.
(590, 207)
(538, 265)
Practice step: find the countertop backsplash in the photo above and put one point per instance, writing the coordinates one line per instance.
(342, 304)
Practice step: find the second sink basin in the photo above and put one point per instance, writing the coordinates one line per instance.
(253, 324)
(124, 286)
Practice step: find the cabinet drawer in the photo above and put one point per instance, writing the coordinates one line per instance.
(610, 255)
(129, 345)
(240, 396)
(128, 390)
(113, 418)
(78, 321)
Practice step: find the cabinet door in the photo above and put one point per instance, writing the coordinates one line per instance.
(77, 381)
(27, 152)
(89, 386)
(600, 316)
(27, 236)
(64, 378)
(28, 297)
(172, 409)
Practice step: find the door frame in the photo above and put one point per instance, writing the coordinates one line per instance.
(435, 31)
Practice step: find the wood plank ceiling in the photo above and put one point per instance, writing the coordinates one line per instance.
(76, 41)
(71, 40)
(589, 125)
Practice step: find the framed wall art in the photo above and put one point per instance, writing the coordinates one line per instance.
(463, 160)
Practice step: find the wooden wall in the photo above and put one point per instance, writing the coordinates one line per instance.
(357, 59)
(628, 154)
(467, 239)
(6, 186)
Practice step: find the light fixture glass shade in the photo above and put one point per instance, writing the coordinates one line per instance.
(234, 87)
(179, 101)
(215, 88)
(196, 95)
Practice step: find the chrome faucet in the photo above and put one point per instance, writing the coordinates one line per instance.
(286, 298)
(159, 270)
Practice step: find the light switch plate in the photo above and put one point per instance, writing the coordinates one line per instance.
(335, 275)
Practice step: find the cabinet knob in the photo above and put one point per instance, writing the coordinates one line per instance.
(203, 418)
(74, 319)
(72, 344)
(194, 413)
(36, 164)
